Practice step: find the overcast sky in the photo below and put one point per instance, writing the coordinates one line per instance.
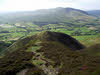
(23, 5)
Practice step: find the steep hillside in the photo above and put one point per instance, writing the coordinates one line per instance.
(45, 16)
(48, 53)
(93, 50)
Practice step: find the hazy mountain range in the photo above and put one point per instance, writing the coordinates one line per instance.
(48, 15)
(94, 12)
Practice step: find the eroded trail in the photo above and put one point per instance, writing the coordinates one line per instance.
(23, 72)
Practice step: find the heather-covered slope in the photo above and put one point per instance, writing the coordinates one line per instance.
(93, 50)
(48, 53)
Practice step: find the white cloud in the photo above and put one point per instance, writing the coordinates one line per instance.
(21, 5)
(87, 4)
(24, 4)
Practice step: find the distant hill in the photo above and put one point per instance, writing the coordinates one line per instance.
(45, 16)
(94, 12)
(49, 53)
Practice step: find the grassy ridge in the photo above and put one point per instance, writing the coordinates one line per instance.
(51, 53)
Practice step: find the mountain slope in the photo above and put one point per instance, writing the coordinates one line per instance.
(45, 16)
(49, 53)
(94, 12)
